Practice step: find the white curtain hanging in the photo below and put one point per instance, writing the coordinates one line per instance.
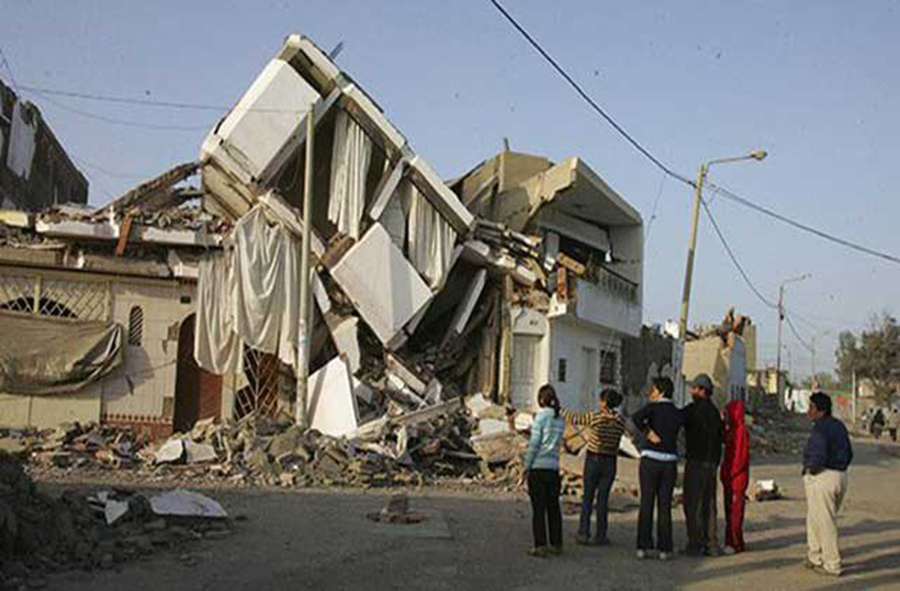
(217, 348)
(266, 302)
(431, 239)
(350, 158)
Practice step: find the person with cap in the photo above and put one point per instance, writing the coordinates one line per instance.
(704, 434)
(826, 459)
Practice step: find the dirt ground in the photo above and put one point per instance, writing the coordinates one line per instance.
(322, 540)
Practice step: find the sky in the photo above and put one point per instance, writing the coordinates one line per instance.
(812, 82)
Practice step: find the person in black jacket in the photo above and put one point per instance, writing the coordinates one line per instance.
(704, 433)
(660, 421)
(826, 459)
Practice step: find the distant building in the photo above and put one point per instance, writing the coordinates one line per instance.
(35, 171)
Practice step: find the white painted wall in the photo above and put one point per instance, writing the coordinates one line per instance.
(569, 340)
(147, 377)
(602, 307)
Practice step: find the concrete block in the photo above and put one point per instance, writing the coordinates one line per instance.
(331, 403)
(345, 335)
(384, 287)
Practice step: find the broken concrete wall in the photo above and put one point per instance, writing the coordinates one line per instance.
(643, 358)
(51, 176)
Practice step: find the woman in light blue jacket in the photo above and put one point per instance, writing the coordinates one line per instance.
(542, 467)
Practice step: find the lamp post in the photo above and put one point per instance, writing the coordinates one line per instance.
(692, 247)
(780, 320)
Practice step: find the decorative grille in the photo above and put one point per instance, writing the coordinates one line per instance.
(267, 378)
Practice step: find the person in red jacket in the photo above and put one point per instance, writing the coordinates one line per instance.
(735, 474)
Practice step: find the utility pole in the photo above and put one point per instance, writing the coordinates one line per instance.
(692, 248)
(780, 320)
(813, 382)
(853, 398)
(781, 399)
(300, 410)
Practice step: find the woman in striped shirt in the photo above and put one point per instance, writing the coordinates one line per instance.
(605, 428)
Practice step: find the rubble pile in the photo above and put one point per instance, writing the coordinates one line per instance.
(40, 534)
(774, 431)
(443, 443)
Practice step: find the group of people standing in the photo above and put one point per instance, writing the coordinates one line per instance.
(659, 424)
(717, 450)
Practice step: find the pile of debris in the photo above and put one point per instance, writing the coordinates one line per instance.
(442, 443)
(41, 535)
(774, 431)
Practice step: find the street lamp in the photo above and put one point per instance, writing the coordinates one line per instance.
(780, 320)
(689, 271)
(692, 247)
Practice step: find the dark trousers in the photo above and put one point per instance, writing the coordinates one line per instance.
(543, 488)
(700, 484)
(599, 474)
(657, 485)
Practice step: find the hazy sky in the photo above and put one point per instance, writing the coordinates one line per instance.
(814, 83)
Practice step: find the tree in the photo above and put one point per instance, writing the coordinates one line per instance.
(874, 354)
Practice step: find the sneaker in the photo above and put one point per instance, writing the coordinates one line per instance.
(729, 551)
(641, 554)
(664, 556)
(582, 540)
(602, 542)
(712, 551)
(538, 552)
(810, 565)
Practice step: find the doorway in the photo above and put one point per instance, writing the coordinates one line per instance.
(198, 393)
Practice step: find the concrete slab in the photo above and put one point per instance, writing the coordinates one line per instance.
(331, 404)
(384, 287)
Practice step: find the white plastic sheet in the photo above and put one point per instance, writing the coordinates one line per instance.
(351, 155)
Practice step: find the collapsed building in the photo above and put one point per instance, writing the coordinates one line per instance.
(520, 272)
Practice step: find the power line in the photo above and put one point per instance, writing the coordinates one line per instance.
(124, 122)
(801, 226)
(150, 102)
(662, 182)
(12, 77)
(584, 95)
(734, 259)
(796, 334)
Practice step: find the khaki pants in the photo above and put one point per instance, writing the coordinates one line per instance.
(824, 494)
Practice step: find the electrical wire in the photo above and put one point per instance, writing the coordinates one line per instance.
(662, 182)
(124, 122)
(12, 76)
(796, 334)
(734, 259)
(150, 102)
(730, 195)
(587, 98)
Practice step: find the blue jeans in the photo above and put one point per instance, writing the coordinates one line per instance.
(599, 474)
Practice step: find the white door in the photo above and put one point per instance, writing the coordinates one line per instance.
(523, 382)
(590, 377)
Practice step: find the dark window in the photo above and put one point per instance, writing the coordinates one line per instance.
(561, 371)
(135, 326)
(608, 361)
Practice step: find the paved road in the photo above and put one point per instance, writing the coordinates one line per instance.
(315, 540)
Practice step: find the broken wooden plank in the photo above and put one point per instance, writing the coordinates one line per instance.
(386, 189)
(124, 233)
(423, 415)
(571, 264)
